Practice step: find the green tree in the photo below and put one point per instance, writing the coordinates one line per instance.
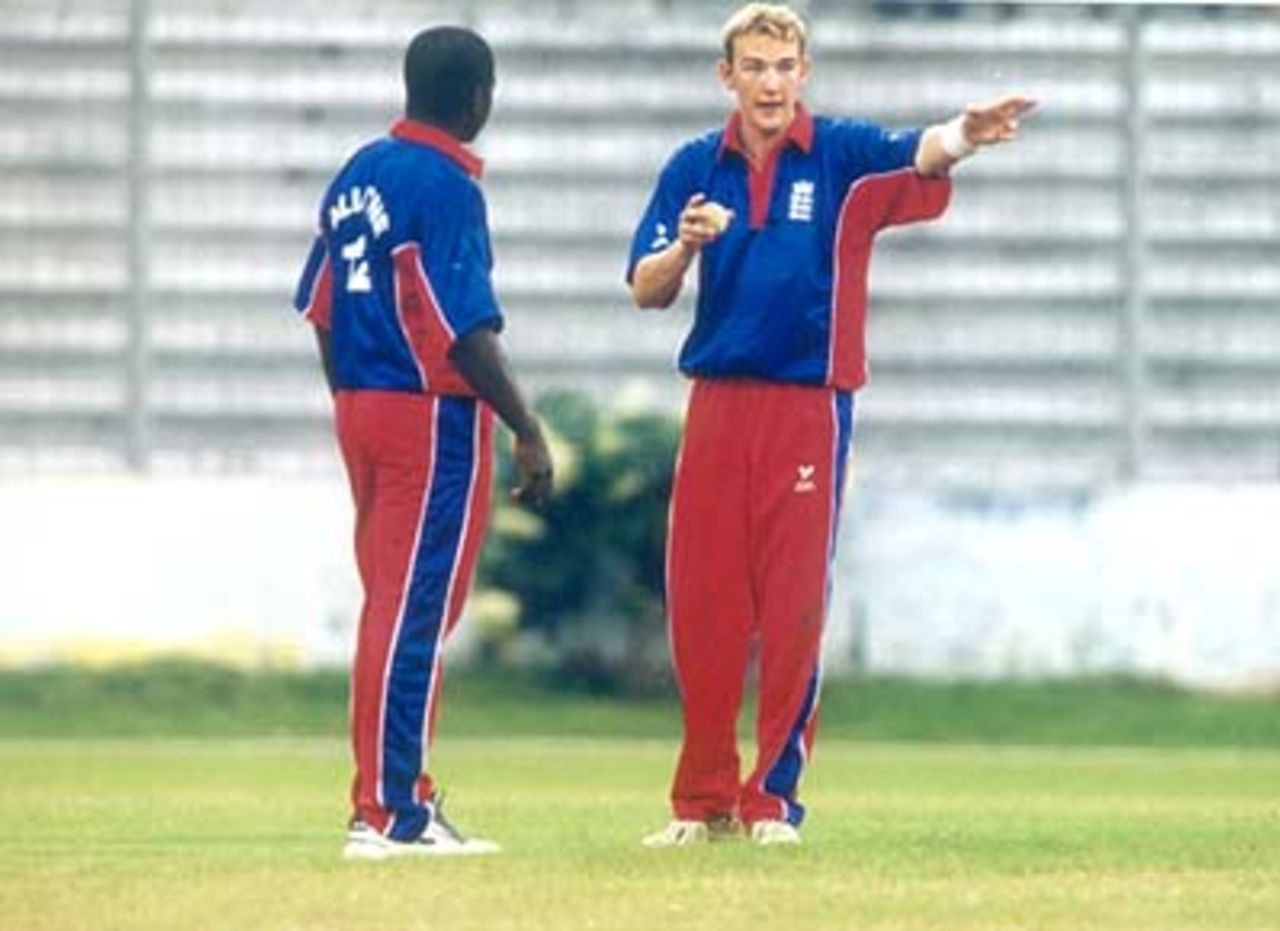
(588, 571)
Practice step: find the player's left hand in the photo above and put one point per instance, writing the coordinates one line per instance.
(996, 121)
(533, 465)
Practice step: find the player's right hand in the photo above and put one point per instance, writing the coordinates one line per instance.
(533, 465)
(702, 221)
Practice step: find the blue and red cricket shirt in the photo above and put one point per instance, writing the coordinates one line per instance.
(782, 292)
(397, 279)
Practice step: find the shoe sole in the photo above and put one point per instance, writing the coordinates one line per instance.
(363, 850)
(664, 845)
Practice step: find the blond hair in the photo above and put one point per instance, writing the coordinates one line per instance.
(769, 19)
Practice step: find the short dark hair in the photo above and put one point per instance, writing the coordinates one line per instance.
(443, 68)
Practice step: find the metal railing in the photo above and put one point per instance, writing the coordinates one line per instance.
(1098, 306)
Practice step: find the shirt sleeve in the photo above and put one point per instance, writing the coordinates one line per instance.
(868, 149)
(660, 225)
(313, 298)
(457, 260)
(897, 198)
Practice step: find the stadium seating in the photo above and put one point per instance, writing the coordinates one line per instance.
(1103, 291)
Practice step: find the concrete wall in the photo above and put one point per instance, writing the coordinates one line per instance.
(1177, 582)
(1181, 582)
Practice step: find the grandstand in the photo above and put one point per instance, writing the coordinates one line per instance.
(1099, 306)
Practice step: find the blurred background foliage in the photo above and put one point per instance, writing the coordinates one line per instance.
(184, 698)
(577, 589)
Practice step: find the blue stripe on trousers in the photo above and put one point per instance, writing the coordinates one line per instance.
(784, 776)
(425, 609)
(844, 438)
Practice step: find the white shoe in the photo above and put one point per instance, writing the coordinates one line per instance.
(442, 831)
(684, 833)
(679, 834)
(766, 833)
(440, 839)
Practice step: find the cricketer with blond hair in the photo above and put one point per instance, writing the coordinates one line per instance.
(779, 208)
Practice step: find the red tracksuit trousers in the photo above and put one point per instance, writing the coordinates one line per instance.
(420, 469)
(753, 518)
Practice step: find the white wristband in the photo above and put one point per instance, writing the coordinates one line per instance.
(953, 140)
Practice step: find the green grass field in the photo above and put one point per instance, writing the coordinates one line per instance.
(132, 801)
(244, 834)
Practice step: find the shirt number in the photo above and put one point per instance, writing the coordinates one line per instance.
(357, 266)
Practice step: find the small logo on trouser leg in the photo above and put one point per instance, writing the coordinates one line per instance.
(804, 479)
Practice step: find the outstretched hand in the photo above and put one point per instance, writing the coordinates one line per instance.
(997, 121)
